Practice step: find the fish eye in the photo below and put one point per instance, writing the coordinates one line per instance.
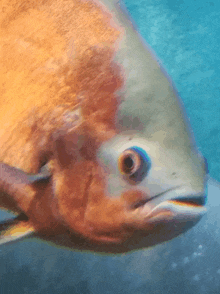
(134, 163)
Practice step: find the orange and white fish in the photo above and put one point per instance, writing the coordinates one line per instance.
(96, 153)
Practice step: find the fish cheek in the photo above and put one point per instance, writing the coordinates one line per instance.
(70, 188)
(84, 207)
(115, 220)
(105, 217)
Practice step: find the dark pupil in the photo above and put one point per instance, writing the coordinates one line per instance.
(128, 162)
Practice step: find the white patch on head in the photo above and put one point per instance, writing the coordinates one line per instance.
(158, 177)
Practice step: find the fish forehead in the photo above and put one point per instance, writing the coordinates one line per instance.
(149, 100)
(150, 107)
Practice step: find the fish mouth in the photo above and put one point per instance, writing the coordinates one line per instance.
(172, 204)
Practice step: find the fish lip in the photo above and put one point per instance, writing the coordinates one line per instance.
(175, 196)
(198, 201)
(171, 206)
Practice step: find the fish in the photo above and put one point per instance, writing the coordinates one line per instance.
(96, 151)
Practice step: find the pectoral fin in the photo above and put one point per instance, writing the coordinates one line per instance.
(18, 187)
(15, 229)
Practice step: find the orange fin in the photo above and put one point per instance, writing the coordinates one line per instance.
(15, 229)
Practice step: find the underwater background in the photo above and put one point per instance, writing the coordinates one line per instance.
(185, 35)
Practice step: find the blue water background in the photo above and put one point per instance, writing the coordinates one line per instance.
(185, 35)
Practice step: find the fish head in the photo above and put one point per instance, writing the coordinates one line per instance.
(139, 176)
(122, 168)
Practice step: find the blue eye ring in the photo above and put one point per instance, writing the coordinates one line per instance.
(134, 163)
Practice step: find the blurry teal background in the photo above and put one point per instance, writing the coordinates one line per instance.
(185, 35)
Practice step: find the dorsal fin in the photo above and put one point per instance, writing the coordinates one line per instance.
(15, 229)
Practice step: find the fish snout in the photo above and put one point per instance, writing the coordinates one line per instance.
(177, 207)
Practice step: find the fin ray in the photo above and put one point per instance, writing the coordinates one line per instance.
(15, 229)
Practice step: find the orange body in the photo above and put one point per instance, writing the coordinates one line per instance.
(72, 82)
(57, 60)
